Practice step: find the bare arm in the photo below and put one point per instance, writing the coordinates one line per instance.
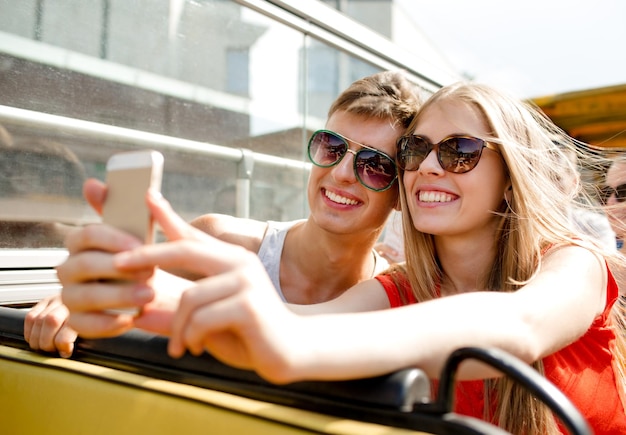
(243, 232)
(367, 295)
(549, 313)
(247, 233)
(235, 313)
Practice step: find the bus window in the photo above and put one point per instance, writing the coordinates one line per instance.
(228, 91)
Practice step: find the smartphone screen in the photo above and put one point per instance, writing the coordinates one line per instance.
(129, 176)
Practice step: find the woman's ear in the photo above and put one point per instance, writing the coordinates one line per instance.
(508, 193)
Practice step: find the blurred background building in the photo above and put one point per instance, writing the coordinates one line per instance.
(253, 75)
(228, 90)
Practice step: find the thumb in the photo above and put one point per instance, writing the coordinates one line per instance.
(95, 192)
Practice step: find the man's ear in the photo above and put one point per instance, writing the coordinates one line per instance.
(398, 205)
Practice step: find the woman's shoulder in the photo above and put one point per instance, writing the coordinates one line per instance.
(397, 286)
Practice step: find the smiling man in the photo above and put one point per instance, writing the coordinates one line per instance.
(352, 189)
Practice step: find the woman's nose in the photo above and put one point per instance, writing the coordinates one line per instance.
(430, 165)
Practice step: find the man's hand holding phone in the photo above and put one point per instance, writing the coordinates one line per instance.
(122, 202)
(95, 288)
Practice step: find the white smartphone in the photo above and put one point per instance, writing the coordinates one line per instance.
(129, 176)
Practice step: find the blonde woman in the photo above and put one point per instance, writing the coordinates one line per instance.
(492, 260)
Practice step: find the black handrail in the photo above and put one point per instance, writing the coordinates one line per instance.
(519, 371)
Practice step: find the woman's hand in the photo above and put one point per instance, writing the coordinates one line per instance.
(234, 312)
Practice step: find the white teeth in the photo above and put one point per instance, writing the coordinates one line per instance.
(339, 199)
(434, 196)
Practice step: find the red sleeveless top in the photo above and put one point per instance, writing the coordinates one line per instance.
(585, 371)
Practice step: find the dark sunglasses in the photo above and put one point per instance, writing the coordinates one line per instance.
(608, 191)
(374, 169)
(457, 154)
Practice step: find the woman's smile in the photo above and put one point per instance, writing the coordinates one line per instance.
(435, 196)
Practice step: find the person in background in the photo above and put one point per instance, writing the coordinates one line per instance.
(492, 260)
(614, 195)
(351, 191)
(587, 216)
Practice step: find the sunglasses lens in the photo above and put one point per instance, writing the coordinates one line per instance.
(412, 150)
(460, 154)
(326, 149)
(607, 191)
(375, 170)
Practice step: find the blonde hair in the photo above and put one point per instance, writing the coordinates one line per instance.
(532, 220)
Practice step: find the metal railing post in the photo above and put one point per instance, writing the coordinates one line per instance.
(245, 168)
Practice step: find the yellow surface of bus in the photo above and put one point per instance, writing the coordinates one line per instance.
(594, 116)
(46, 395)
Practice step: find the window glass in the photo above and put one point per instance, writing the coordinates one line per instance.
(81, 80)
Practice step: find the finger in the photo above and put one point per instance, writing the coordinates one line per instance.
(99, 325)
(100, 237)
(157, 320)
(33, 314)
(157, 315)
(51, 323)
(174, 227)
(206, 258)
(97, 266)
(64, 341)
(95, 192)
(100, 296)
(205, 296)
(206, 322)
(216, 328)
(43, 321)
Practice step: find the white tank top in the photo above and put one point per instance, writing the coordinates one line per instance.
(271, 251)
